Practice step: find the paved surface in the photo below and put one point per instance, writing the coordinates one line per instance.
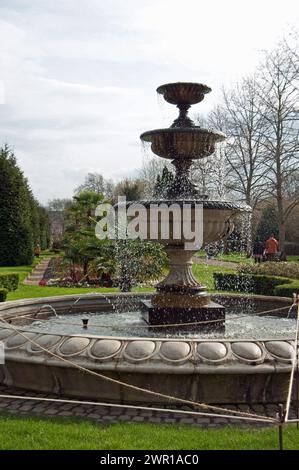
(215, 262)
(37, 274)
(108, 415)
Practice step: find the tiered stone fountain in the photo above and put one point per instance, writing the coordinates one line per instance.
(179, 297)
(43, 354)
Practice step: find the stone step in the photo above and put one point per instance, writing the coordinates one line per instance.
(38, 272)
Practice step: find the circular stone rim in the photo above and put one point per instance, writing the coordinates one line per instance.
(206, 203)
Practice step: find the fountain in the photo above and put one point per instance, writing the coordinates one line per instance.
(179, 297)
(247, 362)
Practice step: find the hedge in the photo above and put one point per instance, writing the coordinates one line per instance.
(3, 294)
(287, 290)
(249, 283)
(9, 281)
(292, 248)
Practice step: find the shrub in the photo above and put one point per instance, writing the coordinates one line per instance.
(9, 281)
(292, 248)
(255, 284)
(3, 294)
(271, 268)
(287, 290)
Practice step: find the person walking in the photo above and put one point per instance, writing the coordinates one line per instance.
(258, 251)
(37, 250)
(271, 247)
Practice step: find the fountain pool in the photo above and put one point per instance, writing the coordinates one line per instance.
(248, 363)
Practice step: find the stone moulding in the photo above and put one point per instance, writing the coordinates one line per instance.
(218, 371)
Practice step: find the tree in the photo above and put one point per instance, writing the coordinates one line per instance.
(80, 243)
(132, 189)
(279, 95)
(56, 212)
(96, 183)
(268, 222)
(44, 227)
(163, 182)
(149, 172)
(16, 231)
(240, 119)
(59, 205)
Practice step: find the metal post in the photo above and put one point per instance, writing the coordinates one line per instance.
(297, 386)
(280, 416)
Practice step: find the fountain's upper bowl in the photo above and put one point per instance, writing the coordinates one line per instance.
(183, 92)
(183, 143)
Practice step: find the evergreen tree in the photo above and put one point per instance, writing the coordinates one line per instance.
(23, 222)
(268, 223)
(16, 234)
(163, 183)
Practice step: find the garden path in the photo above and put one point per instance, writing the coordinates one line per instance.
(37, 274)
(215, 262)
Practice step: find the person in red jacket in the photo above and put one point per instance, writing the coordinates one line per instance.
(271, 247)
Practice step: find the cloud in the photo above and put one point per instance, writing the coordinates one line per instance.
(79, 78)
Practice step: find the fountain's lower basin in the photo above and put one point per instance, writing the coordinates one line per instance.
(217, 368)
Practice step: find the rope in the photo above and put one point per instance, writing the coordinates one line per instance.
(265, 312)
(134, 407)
(294, 363)
(134, 387)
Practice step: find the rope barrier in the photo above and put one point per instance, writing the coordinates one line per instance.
(294, 363)
(134, 387)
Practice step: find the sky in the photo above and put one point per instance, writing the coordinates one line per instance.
(78, 78)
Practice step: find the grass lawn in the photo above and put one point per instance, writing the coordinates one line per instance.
(232, 257)
(62, 434)
(240, 257)
(23, 271)
(293, 258)
(28, 292)
(203, 272)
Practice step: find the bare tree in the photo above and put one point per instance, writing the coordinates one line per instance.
(210, 175)
(58, 204)
(131, 188)
(149, 172)
(97, 183)
(239, 118)
(279, 96)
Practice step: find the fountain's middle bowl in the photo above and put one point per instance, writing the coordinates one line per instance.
(183, 143)
(216, 222)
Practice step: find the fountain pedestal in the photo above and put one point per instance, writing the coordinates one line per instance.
(208, 318)
(179, 298)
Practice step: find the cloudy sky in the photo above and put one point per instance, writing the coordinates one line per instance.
(78, 78)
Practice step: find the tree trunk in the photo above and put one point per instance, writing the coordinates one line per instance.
(281, 226)
(85, 269)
